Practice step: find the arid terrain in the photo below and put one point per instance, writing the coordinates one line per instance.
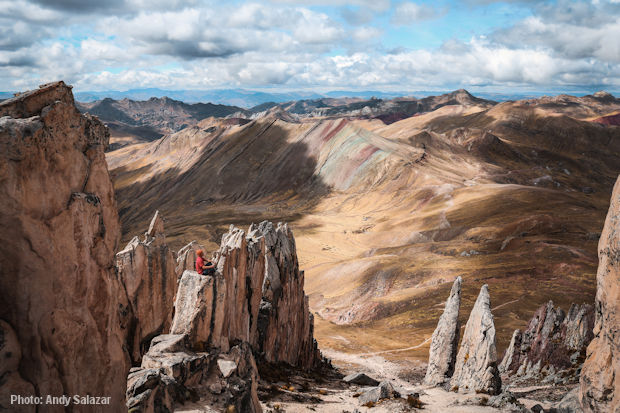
(387, 213)
(497, 207)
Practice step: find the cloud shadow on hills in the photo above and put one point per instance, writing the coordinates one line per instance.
(250, 175)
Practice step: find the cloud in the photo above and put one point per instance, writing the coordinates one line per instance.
(376, 5)
(80, 6)
(289, 44)
(357, 16)
(572, 30)
(365, 34)
(407, 13)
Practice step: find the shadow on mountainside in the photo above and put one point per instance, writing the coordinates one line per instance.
(251, 175)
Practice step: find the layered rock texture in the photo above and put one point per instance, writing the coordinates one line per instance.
(172, 373)
(256, 295)
(60, 232)
(254, 305)
(445, 339)
(600, 376)
(476, 363)
(553, 342)
(147, 269)
(186, 257)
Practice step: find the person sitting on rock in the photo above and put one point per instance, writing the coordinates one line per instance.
(203, 266)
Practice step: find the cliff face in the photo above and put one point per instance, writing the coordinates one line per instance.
(60, 231)
(147, 270)
(253, 307)
(600, 376)
(256, 295)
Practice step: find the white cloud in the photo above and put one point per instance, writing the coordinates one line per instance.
(376, 5)
(199, 45)
(408, 13)
(365, 34)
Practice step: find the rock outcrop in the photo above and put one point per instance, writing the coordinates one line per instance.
(553, 345)
(445, 339)
(256, 295)
(476, 363)
(60, 231)
(600, 376)
(147, 270)
(171, 373)
(186, 257)
(253, 306)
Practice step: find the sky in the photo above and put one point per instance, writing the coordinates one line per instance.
(283, 45)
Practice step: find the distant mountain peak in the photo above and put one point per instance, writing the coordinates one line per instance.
(462, 92)
(603, 94)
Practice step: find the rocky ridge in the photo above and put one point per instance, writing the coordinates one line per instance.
(153, 118)
(252, 308)
(553, 346)
(58, 288)
(147, 270)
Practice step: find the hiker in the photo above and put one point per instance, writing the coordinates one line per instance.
(203, 266)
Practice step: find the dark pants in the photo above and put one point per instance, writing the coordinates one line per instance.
(208, 271)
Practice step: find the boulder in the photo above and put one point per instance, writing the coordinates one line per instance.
(60, 231)
(372, 395)
(570, 403)
(147, 270)
(476, 362)
(506, 402)
(171, 374)
(150, 391)
(445, 339)
(600, 376)
(360, 379)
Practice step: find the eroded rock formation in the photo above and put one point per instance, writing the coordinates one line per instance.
(476, 362)
(600, 376)
(186, 257)
(147, 269)
(254, 305)
(553, 342)
(442, 353)
(60, 231)
(256, 295)
(172, 373)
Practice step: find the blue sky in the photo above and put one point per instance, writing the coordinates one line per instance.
(480, 45)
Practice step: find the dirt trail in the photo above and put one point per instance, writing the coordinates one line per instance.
(435, 400)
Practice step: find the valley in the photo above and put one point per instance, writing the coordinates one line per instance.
(390, 201)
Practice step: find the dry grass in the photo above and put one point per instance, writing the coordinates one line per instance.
(380, 255)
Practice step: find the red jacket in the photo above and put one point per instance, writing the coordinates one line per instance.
(199, 263)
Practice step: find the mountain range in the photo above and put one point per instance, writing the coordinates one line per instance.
(155, 117)
(391, 200)
(249, 98)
